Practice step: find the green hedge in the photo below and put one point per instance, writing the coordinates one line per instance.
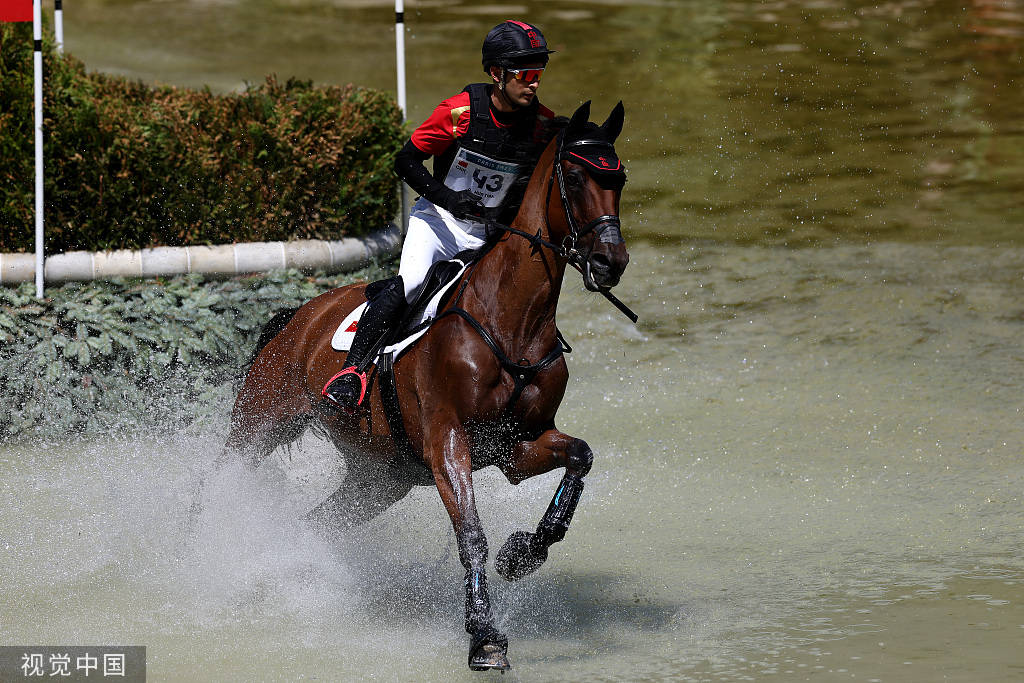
(130, 166)
(100, 358)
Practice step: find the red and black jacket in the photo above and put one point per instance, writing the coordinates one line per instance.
(468, 120)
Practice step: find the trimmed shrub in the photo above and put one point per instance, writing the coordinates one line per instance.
(99, 358)
(131, 166)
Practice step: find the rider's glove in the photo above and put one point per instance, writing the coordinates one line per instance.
(465, 204)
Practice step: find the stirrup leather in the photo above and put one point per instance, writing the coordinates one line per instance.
(350, 370)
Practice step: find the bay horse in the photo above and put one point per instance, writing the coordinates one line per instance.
(466, 398)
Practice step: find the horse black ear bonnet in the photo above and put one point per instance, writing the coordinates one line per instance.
(597, 157)
(593, 147)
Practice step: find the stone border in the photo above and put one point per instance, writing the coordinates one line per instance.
(225, 259)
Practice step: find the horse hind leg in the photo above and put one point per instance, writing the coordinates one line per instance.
(260, 423)
(269, 411)
(251, 452)
(369, 489)
(524, 552)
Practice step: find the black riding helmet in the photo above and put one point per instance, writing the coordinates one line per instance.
(514, 42)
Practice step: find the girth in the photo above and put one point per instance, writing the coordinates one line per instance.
(522, 374)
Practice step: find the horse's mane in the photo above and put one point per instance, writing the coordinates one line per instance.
(271, 330)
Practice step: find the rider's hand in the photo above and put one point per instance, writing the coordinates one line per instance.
(465, 204)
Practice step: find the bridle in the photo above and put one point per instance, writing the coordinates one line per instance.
(522, 372)
(599, 224)
(568, 250)
(608, 223)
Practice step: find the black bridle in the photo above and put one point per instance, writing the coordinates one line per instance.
(522, 372)
(568, 250)
(600, 224)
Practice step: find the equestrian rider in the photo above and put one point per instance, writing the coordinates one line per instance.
(485, 142)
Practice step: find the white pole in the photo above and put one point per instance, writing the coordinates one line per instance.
(400, 61)
(400, 52)
(58, 25)
(37, 36)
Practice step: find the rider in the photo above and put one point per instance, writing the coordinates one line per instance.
(485, 142)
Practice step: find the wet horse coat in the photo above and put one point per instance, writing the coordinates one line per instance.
(463, 407)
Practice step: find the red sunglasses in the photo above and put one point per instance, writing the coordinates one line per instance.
(527, 75)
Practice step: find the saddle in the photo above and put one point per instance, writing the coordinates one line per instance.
(437, 288)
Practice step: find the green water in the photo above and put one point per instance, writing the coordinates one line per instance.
(809, 461)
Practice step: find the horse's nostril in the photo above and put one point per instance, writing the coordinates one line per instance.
(600, 262)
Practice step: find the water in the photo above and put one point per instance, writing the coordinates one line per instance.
(808, 451)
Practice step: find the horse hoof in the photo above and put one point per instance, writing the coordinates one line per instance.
(490, 653)
(518, 557)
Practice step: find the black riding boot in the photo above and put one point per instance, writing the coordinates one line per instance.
(347, 389)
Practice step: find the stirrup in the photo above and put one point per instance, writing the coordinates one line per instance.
(350, 370)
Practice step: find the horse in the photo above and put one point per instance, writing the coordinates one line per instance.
(469, 395)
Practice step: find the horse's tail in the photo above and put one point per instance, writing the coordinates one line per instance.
(271, 330)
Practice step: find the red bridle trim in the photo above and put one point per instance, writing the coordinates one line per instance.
(600, 168)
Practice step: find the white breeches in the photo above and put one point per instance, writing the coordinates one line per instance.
(434, 235)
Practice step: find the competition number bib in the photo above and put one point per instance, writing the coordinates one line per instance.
(483, 176)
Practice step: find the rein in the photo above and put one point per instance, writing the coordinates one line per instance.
(523, 372)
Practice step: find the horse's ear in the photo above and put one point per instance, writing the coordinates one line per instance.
(580, 117)
(613, 126)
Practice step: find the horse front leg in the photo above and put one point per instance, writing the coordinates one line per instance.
(524, 552)
(449, 459)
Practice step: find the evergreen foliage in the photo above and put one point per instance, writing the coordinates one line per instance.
(96, 358)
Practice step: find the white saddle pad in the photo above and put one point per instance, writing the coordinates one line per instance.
(346, 332)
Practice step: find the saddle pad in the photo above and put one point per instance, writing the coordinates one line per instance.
(346, 332)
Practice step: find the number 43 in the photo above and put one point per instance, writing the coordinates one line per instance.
(482, 181)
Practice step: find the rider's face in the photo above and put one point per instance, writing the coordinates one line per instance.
(520, 92)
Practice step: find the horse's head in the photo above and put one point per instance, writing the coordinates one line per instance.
(590, 178)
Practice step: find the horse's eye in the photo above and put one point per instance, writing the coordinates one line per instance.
(575, 179)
